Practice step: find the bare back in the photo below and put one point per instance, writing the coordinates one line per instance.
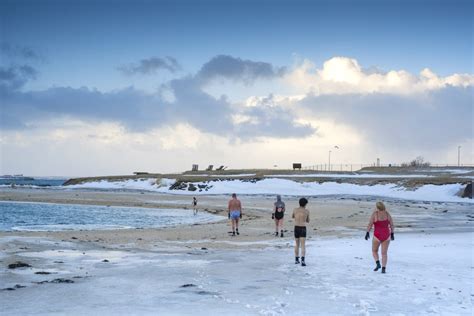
(235, 205)
(301, 216)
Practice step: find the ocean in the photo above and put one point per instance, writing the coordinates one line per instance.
(32, 182)
(26, 216)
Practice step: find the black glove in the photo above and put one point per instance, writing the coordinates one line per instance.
(273, 215)
(392, 237)
(367, 236)
(228, 215)
(240, 215)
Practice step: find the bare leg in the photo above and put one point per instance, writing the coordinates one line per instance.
(303, 246)
(276, 225)
(237, 223)
(385, 245)
(297, 247)
(233, 225)
(375, 248)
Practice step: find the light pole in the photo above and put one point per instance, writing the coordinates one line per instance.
(329, 164)
(459, 156)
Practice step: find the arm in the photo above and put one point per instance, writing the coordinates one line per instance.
(392, 226)
(371, 222)
(307, 218)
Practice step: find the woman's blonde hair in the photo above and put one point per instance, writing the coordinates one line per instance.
(380, 206)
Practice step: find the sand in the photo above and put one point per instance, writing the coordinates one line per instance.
(202, 270)
(330, 216)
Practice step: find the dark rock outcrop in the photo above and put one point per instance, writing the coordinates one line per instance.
(467, 191)
(179, 185)
(18, 264)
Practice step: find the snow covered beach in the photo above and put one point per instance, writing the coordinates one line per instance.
(429, 274)
(273, 186)
(195, 267)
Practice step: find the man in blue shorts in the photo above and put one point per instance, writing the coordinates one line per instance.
(235, 213)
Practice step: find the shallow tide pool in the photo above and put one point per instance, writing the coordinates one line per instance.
(48, 216)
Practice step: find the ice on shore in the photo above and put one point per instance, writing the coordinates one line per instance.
(429, 192)
(427, 274)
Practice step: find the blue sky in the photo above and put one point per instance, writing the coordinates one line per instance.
(92, 38)
(74, 76)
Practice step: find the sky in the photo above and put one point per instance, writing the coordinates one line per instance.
(112, 87)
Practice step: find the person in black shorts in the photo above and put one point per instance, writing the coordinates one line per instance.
(278, 214)
(195, 203)
(301, 216)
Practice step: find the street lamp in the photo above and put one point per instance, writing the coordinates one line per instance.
(459, 156)
(329, 163)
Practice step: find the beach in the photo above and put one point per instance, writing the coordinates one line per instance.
(200, 268)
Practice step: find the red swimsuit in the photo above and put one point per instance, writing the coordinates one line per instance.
(381, 230)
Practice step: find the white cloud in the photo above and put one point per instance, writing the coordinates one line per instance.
(343, 75)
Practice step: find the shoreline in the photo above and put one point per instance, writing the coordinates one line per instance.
(200, 269)
(336, 216)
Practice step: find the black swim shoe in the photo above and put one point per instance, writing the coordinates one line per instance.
(237, 231)
(383, 269)
(276, 234)
(233, 233)
(281, 234)
(303, 264)
(378, 265)
(297, 260)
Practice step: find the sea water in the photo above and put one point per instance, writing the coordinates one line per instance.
(31, 182)
(49, 216)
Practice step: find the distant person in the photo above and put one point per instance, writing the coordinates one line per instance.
(235, 213)
(195, 203)
(278, 214)
(383, 233)
(301, 216)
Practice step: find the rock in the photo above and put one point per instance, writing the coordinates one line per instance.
(105, 260)
(61, 280)
(467, 191)
(42, 272)
(203, 248)
(18, 264)
(179, 185)
(192, 187)
(73, 237)
(188, 285)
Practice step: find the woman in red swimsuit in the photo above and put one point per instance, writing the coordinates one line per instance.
(383, 233)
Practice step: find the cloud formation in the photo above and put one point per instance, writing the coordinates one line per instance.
(378, 108)
(432, 120)
(343, 75)
(14, 77)
(19, 52)
(151, 66)
(232, 68)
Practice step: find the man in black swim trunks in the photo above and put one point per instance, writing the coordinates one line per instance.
(301, 216)
(195, 209)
